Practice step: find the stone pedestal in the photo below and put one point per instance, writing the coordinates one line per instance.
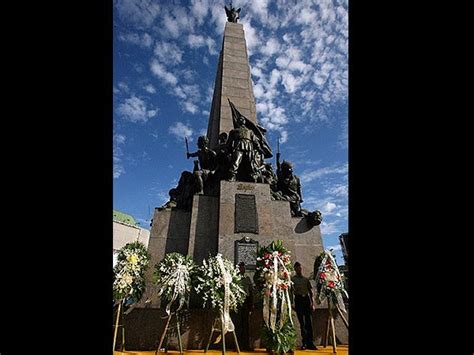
(274, 223)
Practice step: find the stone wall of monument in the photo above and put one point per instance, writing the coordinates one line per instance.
(169, 233)
(274, 222)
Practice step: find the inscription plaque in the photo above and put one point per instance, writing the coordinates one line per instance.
(245, 214)
(246, 250)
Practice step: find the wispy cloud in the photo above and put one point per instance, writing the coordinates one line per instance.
(135, 109)
(338, 190)
(118, 142)
(144, 40)
(343, 138)
(310, 175)
(141, 13)
(181, 130)
(197, 41)
(160, 72)
(328, 227)
(150, 89)
(168, 53)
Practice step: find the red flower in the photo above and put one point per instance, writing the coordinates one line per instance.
(331, 284)
(322, 275)
(266, 256)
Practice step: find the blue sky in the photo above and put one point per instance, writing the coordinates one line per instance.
(165, 62)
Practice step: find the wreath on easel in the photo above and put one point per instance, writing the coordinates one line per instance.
(272, 277)
(129, 276)
(329, 283)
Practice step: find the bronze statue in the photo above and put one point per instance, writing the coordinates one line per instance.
(207, 162)
(313, 218)
(185, 191)
(248, 148)
(181, 197)
(223, 158)
(289, 186)
(232, 13)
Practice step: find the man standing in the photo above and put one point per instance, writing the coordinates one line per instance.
(304, 306)
(243, 312)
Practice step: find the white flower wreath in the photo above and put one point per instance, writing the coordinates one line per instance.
(173, 275)
(129, 272)
(219, 283)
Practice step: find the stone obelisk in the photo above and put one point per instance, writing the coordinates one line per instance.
(233, 82)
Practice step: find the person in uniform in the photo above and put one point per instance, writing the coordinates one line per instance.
(242, 314)
(304, 306)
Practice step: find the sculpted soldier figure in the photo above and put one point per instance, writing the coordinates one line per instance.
(223, 157)
(207, 163)
(241, 146)
(248, 147)
(184, 191)
(289, 186)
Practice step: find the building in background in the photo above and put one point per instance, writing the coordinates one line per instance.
(126, 230)
(344, 269)
(343, 239)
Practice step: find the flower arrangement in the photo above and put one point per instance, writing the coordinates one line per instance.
(129, 272)
(329, 283)
(220, 285)
(272, 277)
(174, 277)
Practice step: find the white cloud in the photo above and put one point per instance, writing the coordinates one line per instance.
(150, 89)
(142, 13)
(260, 8)
(328, 207)
(144, 40)
(171, 26)
(189, 106)
(197, 41)
(218, 17)
(180, 130)
(251, 36)
(168, 53)
(271, 47)
(118, 140)
(343, 137)
(308, 176)
(328, 228)
(200, 8)
(190, 95)
(291, 82)
(160, 71)
(338, 191)
(135, 109)
(123, 87)
(187, 91)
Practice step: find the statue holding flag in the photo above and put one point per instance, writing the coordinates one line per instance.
(248, 148)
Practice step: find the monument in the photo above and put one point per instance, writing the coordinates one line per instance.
(231, 203)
